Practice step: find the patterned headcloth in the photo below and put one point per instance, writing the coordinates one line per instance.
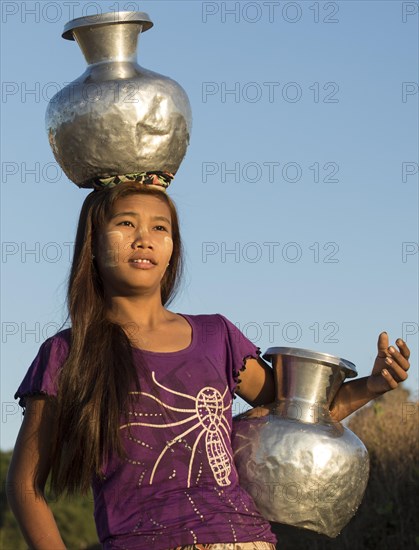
(161, 179)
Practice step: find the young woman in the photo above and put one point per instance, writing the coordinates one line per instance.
(135, 400)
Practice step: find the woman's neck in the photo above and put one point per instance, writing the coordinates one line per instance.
(143, 312)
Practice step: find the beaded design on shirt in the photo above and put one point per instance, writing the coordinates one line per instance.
(207, 414)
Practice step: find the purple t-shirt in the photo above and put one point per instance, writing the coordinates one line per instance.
(178, 484)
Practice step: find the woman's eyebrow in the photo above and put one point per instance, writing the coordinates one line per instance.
(162, 218)
(123, 214)
(135, 214)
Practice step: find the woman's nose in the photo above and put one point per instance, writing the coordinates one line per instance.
(142, 240)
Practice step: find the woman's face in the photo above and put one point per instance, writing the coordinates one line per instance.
(134, 247)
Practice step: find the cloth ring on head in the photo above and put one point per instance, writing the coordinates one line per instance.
(160, 180)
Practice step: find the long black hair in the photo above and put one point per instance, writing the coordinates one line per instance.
(99, 373)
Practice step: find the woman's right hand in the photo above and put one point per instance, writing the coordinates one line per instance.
(28, 472)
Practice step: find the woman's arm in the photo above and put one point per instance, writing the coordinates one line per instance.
(390, 368)
(28, 472)
(256, 385)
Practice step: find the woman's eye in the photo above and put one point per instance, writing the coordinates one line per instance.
(160, 228)
(126, 223)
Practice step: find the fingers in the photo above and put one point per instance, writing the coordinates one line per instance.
(397, 364)
(395, 371)
(382, 344)
(399, 358)
(389, 379)
(404, 350)
(383, 347)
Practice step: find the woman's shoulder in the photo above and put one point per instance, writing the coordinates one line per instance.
(61, 337)
(211, 324)
(203, 316)
(58, 343)
(64, 334)
(205, 319)
(41, 376)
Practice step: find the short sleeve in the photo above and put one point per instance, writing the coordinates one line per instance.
(239, 348)
(42, 376)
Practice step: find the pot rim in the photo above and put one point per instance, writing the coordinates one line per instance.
(112, 17)
(323, 358)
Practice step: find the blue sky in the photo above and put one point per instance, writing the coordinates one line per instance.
(298, 195)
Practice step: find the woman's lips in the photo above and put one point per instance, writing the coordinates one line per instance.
(142, 264)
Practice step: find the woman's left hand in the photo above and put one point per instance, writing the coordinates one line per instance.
(390, 366)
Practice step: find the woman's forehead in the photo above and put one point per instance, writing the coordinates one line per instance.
(141, 204)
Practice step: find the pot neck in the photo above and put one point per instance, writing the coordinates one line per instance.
(300, 410)
(305, 388)
(107, 43)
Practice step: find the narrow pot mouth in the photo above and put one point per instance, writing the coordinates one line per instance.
(314, 356)
(109, 18)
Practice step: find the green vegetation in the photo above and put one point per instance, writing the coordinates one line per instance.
(74, 519)
(387, 518)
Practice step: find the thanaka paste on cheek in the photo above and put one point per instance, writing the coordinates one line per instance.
(168, 241)
(113, 253)
(168, 245)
